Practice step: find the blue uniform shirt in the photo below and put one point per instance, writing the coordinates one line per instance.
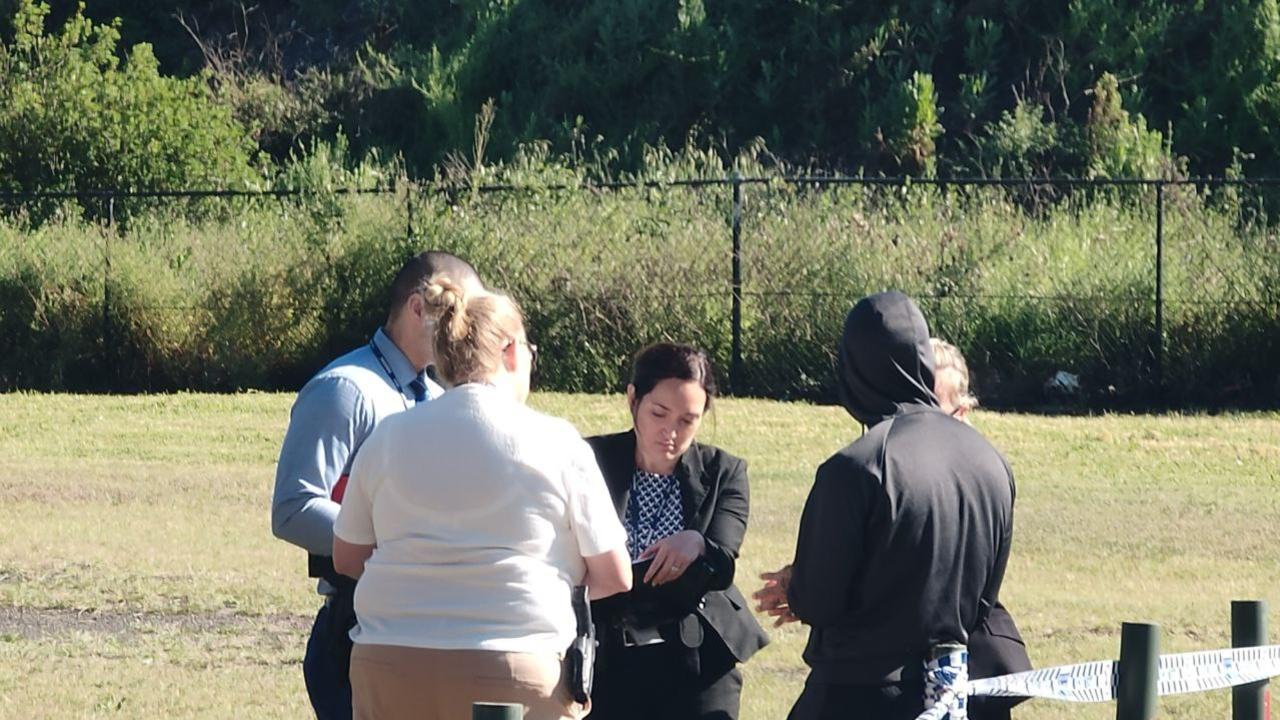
(333, 415)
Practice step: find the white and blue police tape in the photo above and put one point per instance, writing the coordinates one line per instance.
(1085, 682)
(947, 689)
(1216, 669)
(1181, 673)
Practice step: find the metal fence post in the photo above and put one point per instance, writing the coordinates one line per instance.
(408, 210)
(735, 368)
(1137, 671)
(108, 336)
(1159, 339)
(1249, 629)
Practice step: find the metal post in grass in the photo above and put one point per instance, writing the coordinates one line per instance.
(497, 711)
(1158, 350)
(108, 339)
(1137, 671)
(735, 367)
(1249, 629)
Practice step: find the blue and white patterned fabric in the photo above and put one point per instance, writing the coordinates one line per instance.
(946, 686)
(653, 510)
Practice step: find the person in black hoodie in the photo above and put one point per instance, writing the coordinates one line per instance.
(905, 535)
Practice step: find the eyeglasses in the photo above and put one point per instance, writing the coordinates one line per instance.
(533, 354)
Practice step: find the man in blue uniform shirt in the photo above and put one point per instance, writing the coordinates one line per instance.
(333, 415)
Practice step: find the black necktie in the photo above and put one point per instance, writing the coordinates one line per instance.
(419, 389)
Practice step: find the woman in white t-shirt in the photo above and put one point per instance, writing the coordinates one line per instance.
(468, 520)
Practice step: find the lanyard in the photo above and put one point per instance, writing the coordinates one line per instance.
(391, 375)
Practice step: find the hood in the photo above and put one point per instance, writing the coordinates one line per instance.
(885, 361)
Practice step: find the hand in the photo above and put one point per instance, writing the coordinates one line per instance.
(672, 555)
(773, 596)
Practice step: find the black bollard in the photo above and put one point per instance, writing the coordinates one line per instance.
(1138, 670)
(1249, 629)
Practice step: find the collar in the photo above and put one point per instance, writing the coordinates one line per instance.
(693, 483)
(433, 378)
(400, 365)
(688, 472)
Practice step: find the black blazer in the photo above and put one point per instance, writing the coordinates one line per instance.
(715, 500)
(996, 648)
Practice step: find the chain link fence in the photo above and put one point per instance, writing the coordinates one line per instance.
(1220, 293)
(1105, 293)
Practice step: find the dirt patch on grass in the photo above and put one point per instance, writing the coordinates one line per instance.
(42, 623)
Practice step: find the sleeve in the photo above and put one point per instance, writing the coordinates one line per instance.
(329, 420)
(991, 593)
(592, 517)
(830, 544)
(728, 524)
(354, 523)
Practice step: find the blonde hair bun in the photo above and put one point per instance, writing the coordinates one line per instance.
(472, 329)
(447, 301)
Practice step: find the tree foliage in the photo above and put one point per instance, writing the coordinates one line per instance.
(76, 114)
(1069, 87)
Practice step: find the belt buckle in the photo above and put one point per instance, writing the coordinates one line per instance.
(630, 640)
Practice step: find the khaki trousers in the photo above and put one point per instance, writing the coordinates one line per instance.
(390, 682)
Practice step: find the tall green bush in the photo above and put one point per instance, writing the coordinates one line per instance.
(76, 115)
(1118, 145)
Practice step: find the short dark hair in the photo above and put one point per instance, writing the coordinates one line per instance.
(418, 271)
(662, 361)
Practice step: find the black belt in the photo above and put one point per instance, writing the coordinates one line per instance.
(686, 632)
(321, 566)
(627, 635)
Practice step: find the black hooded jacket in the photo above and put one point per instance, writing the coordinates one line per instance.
(906, 531)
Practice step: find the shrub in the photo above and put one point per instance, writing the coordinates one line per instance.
(76, 116)
(1020, 144)
(1120, 146)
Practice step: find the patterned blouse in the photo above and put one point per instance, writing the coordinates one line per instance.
(654, 510)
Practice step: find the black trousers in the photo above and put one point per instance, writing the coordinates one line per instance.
(666, 681)
(327, 663)
(832, 701)
(897, 700)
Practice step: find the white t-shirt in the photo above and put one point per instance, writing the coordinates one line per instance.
(482, 510)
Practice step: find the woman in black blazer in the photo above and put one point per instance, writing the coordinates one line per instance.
(671, 650)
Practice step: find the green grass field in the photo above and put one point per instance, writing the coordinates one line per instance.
(139, 577)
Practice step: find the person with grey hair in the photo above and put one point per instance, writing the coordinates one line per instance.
(951, 380)
(996, 646)
(334, 413)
